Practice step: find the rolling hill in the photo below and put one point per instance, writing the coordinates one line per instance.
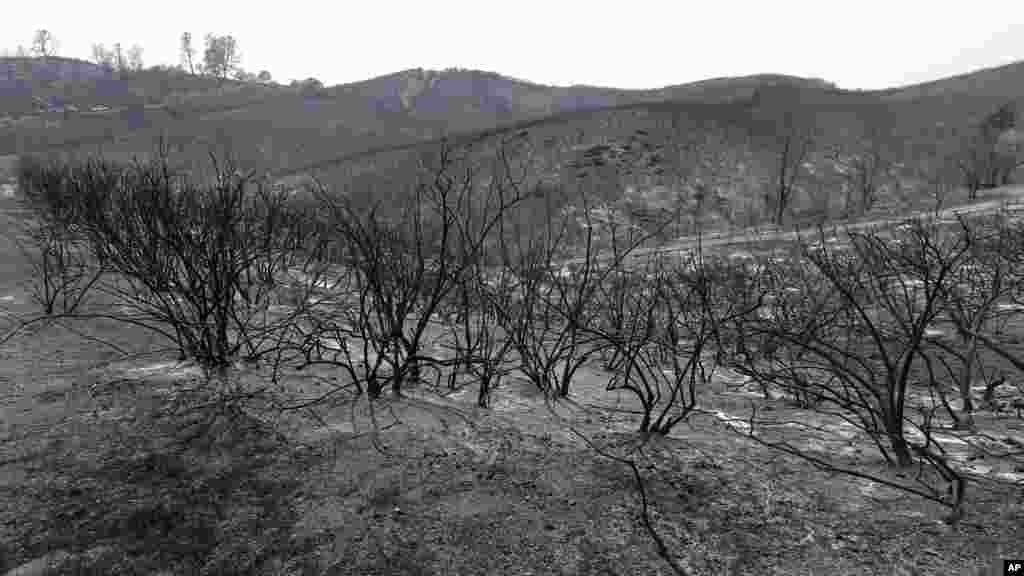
(398, 108)
(293, 132)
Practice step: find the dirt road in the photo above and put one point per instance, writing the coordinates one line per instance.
(1009, 197)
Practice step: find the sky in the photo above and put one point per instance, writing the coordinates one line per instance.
(862, 44)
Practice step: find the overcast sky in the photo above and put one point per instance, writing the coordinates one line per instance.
(628, 44)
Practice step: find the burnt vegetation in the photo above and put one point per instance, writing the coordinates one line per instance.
(469, 262)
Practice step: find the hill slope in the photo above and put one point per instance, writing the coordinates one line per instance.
(394, 109)
(293, 132)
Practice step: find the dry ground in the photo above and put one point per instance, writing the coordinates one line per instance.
(93, 477)
(94, 480)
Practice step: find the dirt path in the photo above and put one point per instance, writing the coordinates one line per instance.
(1010, 197)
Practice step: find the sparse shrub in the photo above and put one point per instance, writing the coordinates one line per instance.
(186, 261)
(62, 271)
(665, 328)
(402, 262)
(855, 339)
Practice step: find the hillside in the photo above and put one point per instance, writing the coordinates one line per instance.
(997, 81)
(726, 151)
(31, 86)
(427, 101)
(294, 132)
(455, 372)
(394, 109)
(444, 94)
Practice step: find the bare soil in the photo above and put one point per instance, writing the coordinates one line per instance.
(95, 478)
(92, 476)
